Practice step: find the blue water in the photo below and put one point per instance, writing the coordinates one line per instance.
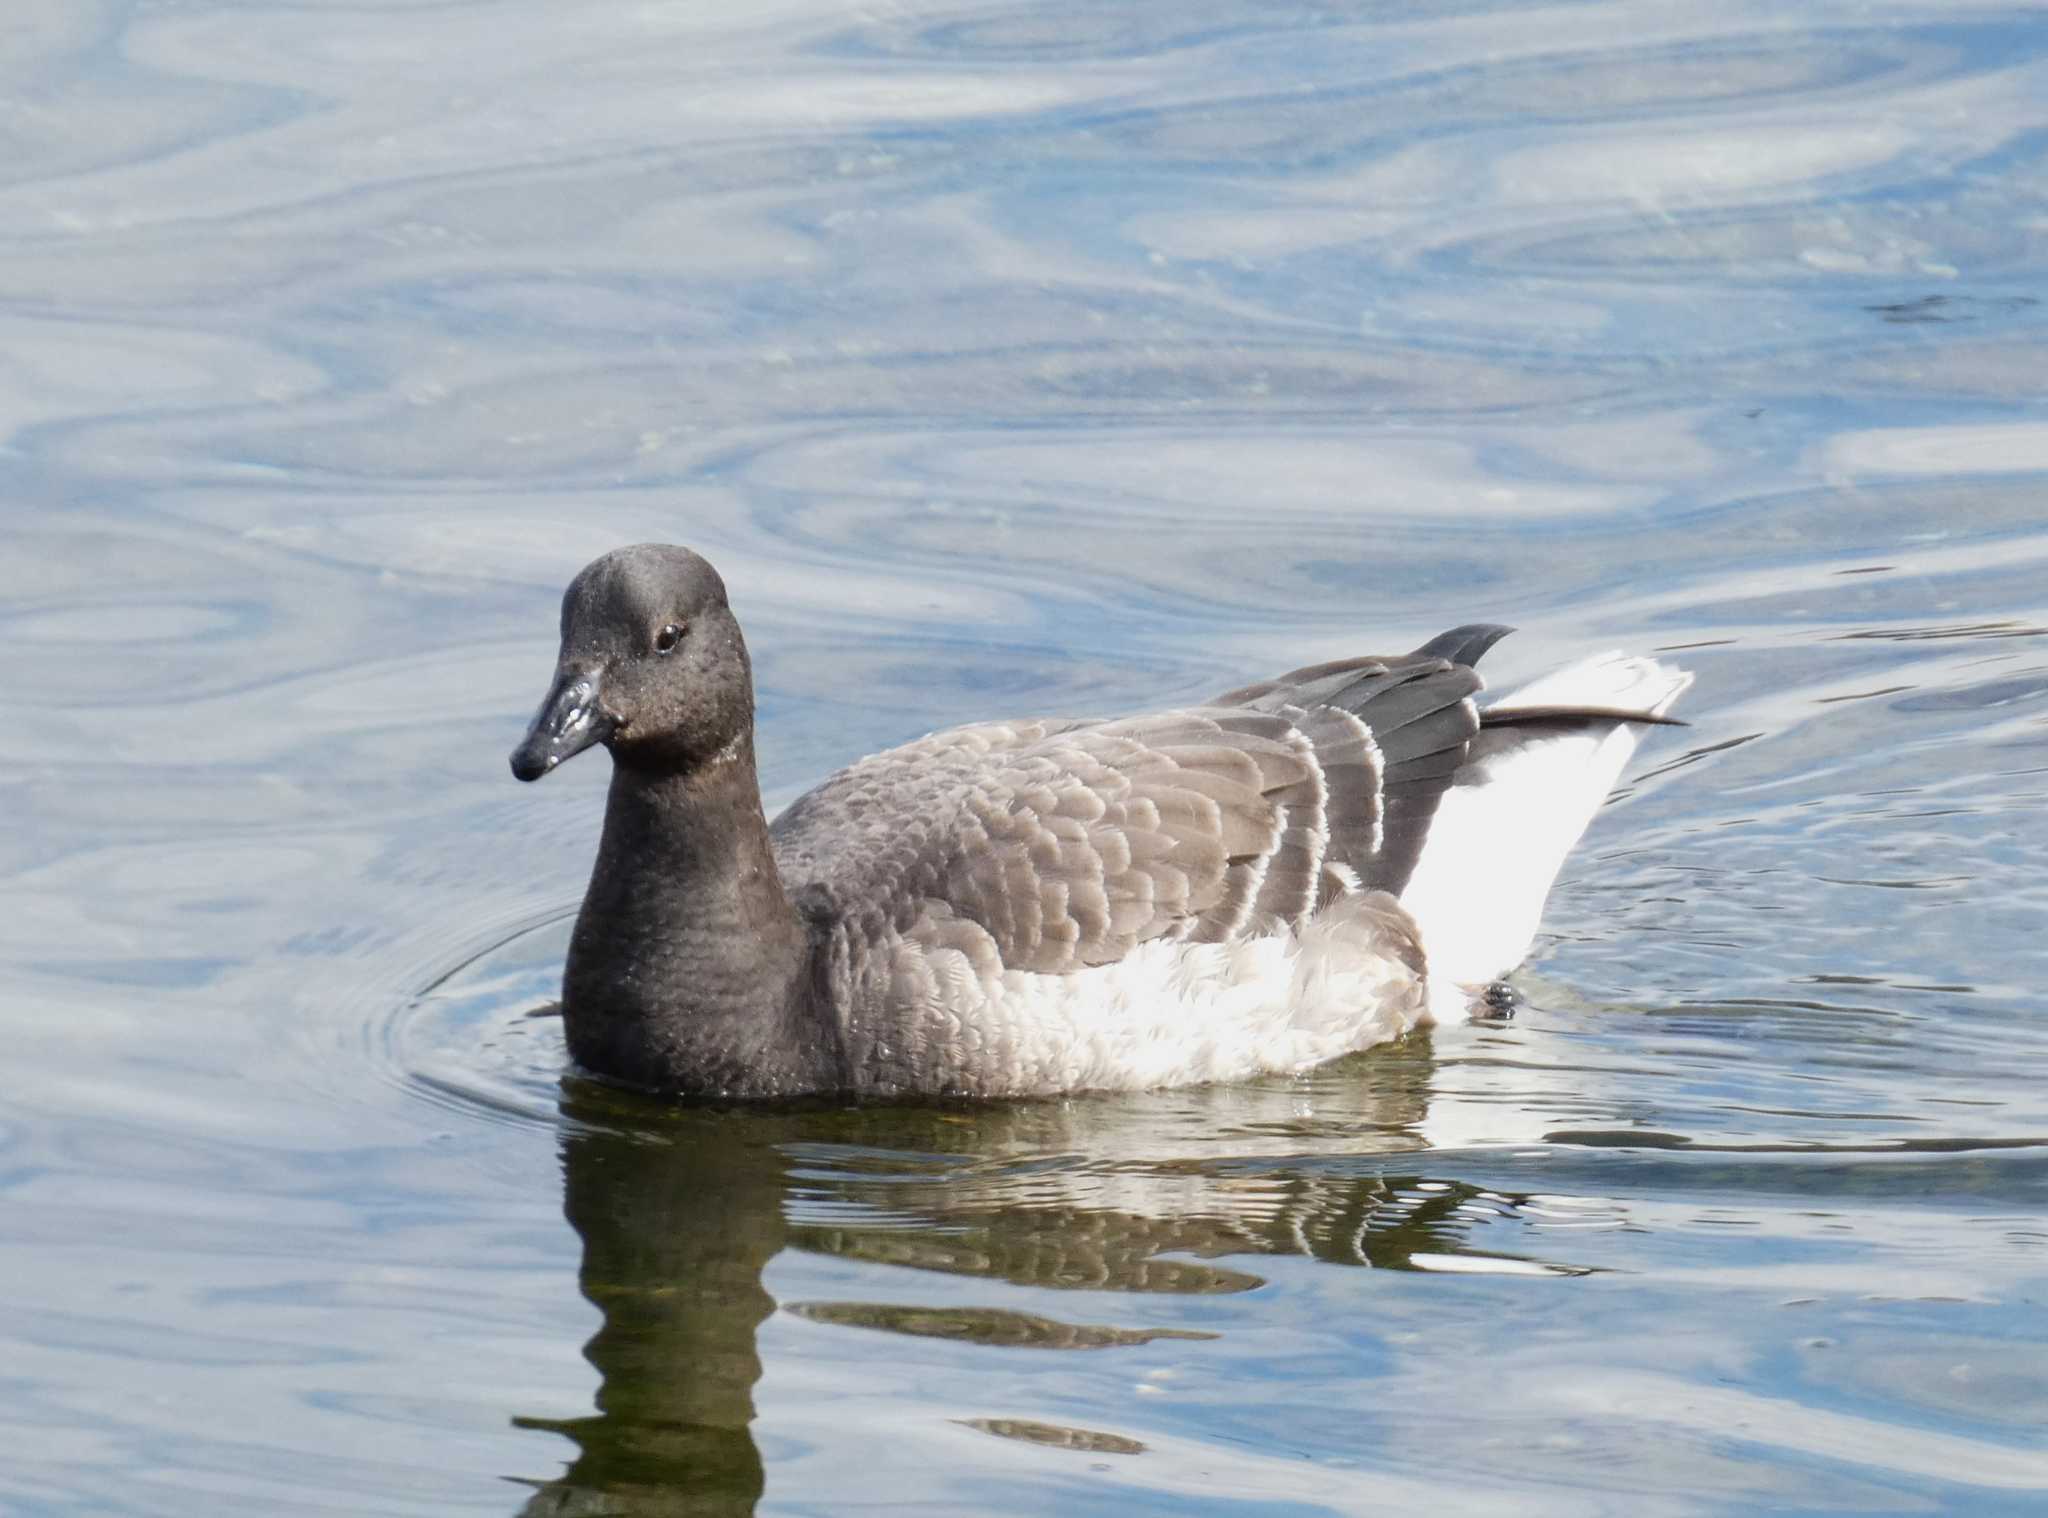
(1016, 359)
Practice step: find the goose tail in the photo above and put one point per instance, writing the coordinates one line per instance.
(1544, 760)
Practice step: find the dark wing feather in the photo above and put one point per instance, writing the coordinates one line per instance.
(1417, 714)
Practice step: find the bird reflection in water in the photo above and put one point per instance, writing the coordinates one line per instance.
(680, 1212)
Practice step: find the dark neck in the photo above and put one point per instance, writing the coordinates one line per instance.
(687, 970)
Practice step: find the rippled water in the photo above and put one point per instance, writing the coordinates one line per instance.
(1018, 358)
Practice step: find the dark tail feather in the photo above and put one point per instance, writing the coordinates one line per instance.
(1570, 716)
(1464, 645)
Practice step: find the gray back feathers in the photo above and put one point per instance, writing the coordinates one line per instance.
(1068, 843)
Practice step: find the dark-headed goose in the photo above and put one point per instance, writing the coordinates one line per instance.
(1289, 872)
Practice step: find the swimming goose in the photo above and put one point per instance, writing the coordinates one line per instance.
(1292, 871)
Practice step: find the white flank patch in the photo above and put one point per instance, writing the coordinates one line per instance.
(1172, 1014)
(1494, 848)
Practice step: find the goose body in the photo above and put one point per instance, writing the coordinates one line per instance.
(1297, 869)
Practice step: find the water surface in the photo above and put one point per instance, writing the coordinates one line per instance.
(1018, 358)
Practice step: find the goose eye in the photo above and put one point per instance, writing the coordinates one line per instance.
(668, 638)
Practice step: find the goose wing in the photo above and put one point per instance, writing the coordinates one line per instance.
(1065, 844)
